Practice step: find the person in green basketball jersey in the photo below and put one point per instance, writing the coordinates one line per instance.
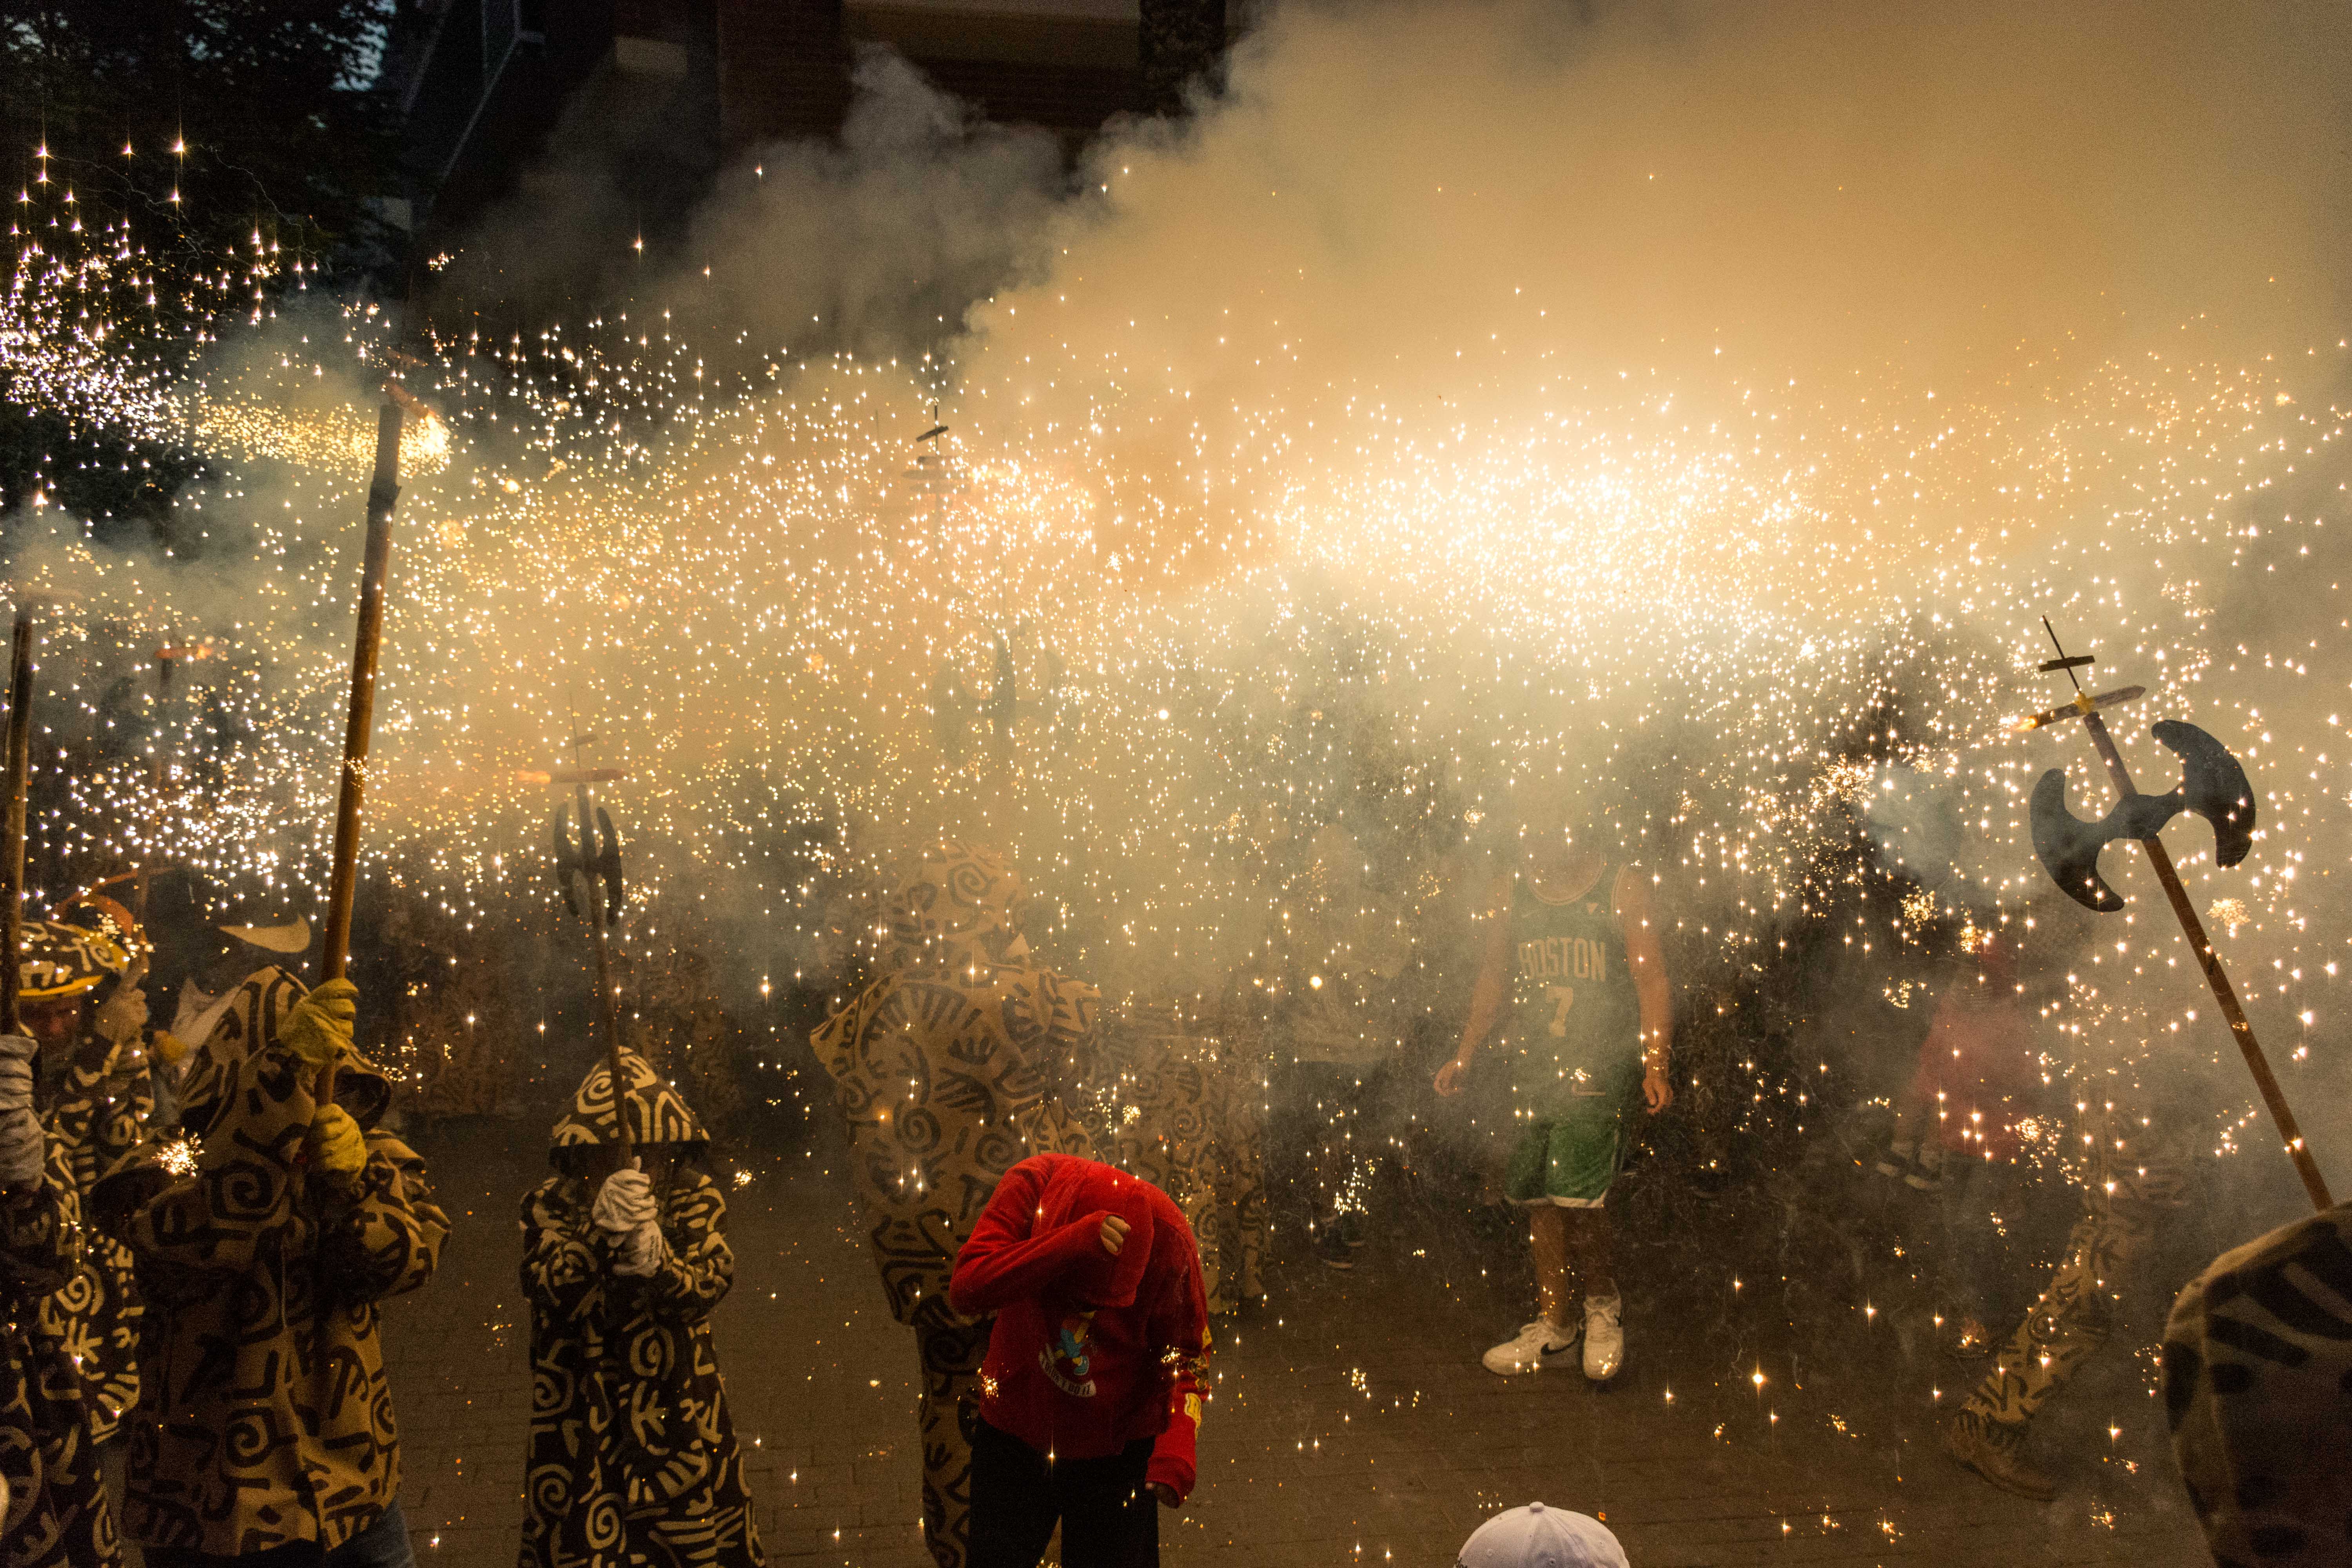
(1572, 972)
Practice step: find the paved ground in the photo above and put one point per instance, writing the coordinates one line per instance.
(1351, 1426)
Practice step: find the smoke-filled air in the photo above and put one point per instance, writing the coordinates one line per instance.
(1675, 417)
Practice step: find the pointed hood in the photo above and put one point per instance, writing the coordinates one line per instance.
(240, 1062)
(251, 1022)
(657, 1112)
(956, 906)
(1078, 1189)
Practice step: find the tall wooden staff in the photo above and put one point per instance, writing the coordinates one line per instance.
(2086, 706)
(359, 723)
(12, 830)
(599, 868)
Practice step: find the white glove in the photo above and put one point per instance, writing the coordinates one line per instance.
(123, 1014)
(23, 1154)
(625, 1201)
(625, 1209)
(641, 1252)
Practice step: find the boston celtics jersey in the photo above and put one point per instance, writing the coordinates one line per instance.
(1575, 1021)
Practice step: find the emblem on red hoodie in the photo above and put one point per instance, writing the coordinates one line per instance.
(1064, 1356)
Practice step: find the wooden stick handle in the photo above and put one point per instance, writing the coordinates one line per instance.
(359, 723)
(12, 830)
(608, 1012)
(2242, 1031)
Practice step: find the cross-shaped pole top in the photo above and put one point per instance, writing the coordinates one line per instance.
(2086, 703)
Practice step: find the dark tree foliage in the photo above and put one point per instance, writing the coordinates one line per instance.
(123, 488)
(276, 101)
(256, 129)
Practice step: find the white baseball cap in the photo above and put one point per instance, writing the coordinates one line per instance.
(1539, 1537)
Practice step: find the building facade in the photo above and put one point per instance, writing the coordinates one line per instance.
(485, 83)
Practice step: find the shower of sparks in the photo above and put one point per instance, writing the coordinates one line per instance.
(64, 357)
(1761, 639)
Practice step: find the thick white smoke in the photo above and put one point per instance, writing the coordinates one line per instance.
(1688, 397)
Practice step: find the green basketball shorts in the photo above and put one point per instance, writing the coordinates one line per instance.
(1569, 1159)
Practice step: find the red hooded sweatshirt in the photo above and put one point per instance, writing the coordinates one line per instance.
(1090, 1352)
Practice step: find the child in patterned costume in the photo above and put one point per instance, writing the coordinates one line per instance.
(633, 1454)
(2138, 1177)
(952, 1067)
(53, 1507)
(79, 985)
(266, 1239)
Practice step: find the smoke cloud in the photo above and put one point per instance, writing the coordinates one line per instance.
(1695, 403)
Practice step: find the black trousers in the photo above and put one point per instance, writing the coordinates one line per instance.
(1108, 1520)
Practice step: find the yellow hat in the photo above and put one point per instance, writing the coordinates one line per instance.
(55, 958)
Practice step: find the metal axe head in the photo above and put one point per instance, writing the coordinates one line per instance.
(2068, 846)
(2212, 785)
(571, 859)
(608, 865)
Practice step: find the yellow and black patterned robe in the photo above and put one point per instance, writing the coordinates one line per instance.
(265, 1416)
(98, 1118)
(633, 1456)
(950, 1077)
(39, 1247)
(1183, 1109)
(952, 1069)
(57, 1514)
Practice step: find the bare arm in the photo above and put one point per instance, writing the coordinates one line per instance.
(1636, 917)
(1487, 993)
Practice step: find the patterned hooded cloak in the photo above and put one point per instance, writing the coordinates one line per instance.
(265, 1416)
(633, 1456)
(94, 1118)
(99, 1119)
(57, 1505)
(2257, 1371)
(952, 1069)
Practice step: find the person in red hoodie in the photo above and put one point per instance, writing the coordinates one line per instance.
(1090, 1397)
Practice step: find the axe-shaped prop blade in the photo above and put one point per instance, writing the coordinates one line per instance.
(571, 859)
(594, 857)
(608, 865)
(2215, 787)
(595, 853)
(2212, 785)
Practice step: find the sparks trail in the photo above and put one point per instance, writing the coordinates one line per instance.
(1758, 623)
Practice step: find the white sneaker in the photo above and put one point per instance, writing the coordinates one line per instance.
(1604, 1337)
(1538, 1345)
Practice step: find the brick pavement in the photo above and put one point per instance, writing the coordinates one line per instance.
(1351, 1423)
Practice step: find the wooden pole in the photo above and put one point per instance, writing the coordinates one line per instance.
(360, 722)
(159, 772)
(607, 1009)
(12, 829)
(2215, 976)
